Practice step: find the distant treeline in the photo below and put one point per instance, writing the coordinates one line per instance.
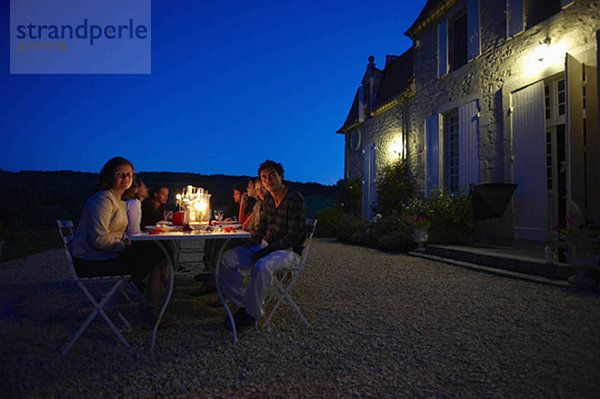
(35, 199)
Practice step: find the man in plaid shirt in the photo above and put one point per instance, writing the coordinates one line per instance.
(277, 243)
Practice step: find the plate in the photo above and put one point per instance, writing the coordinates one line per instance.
(224, 223)
(164, 227)
(199, 225)
(233, 225)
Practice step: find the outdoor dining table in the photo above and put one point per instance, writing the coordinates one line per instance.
(163, 239)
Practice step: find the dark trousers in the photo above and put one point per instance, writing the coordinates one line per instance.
(138, 260)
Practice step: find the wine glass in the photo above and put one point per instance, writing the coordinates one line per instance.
(168, 215)
(218, 215)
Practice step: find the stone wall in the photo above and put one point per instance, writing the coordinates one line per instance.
(490, 78)
(381, 130)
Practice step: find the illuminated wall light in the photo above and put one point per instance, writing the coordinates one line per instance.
(545, 56)
(396, 148)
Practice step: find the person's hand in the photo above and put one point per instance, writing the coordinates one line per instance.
(126, 240)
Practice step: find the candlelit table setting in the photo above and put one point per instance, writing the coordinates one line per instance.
(196, 208)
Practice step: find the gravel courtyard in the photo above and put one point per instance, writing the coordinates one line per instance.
(382, 325)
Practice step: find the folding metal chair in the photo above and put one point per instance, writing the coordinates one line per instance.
(284, 280)
(65, 228)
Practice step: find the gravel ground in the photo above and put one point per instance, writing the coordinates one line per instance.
(382, 325)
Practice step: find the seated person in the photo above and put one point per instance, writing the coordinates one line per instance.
(247, 202)
(101, 246)
(276, 243)
(133, 200)
(153, 208)
(233, 210)
(251, 222)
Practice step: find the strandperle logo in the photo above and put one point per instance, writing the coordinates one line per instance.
(83, 31)
(80, 37)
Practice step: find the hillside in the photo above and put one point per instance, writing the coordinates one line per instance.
(35, 199)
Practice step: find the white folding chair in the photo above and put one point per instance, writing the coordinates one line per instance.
(284, 280)
(65, 228)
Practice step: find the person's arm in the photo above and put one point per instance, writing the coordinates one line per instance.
(296, 220)
(101, 211)
(242, 211)
(134, 217)
(246, 224)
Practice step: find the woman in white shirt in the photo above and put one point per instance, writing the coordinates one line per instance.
(133, 201)
(101, 246)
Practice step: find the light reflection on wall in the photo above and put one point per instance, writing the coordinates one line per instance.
(544, 56)
(396, 148)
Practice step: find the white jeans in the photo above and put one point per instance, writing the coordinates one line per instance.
(251, 298)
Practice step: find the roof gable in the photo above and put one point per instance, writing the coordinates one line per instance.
(390, 84)
(432, 10)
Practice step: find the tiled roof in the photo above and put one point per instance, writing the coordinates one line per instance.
(352, 118)
(432, 10)
(396, 79)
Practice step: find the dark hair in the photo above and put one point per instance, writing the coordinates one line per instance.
(256, 180)
(133, 191)
(156, 189)
(268, 164)
(240, 187)
(106, 174)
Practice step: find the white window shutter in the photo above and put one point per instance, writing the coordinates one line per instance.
(529, 166)
(515, 18)
(432, 153)
(369, 182)
(442, 48)
(468, 142)
(566, 3)
(473, 46)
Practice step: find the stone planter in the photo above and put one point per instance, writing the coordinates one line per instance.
(420, 236)
(582, 254)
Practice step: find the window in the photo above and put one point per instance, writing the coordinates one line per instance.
(451, 153)
(522, 14)
(555, 107)
(458, 38)
(540, 10)
(561, 97)
(452, 148)
(457, 41)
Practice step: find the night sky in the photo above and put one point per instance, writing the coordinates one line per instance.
(232, 84)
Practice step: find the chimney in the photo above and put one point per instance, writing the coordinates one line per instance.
(389, 59)
(371, 62)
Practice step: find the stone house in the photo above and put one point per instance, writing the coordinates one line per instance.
(500, 91)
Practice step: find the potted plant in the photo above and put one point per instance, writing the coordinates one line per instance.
(420, 226)
(582, 249)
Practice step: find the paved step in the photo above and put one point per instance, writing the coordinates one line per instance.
(503, 259)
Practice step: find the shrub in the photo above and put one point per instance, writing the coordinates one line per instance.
(394, 188)
(388, 233)
(450, 215)
(328, 222)
(351, 228)
(349, 196)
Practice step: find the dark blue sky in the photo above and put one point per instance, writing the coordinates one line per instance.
(232, 84)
